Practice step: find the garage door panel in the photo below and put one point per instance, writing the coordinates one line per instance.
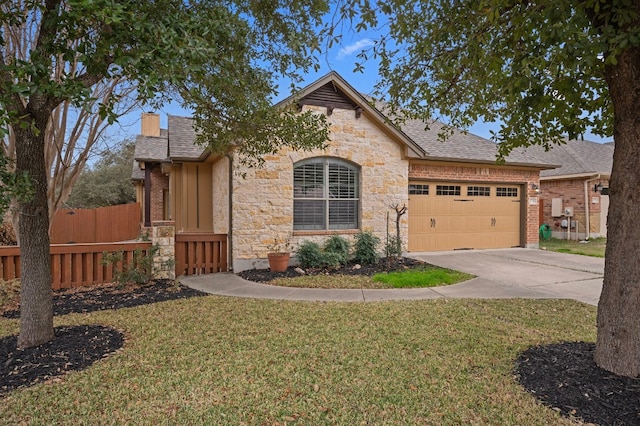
(476, 218)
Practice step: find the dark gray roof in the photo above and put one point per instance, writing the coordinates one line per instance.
(137, 173)
(576, 157)
(463, 146)
(182, 137)
(151, 148)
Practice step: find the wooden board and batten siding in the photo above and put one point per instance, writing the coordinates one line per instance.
(455, 216)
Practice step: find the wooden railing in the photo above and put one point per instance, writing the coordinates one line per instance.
(73, 265)
(198, 254)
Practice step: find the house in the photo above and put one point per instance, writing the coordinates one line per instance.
(457, 196)
(574, 198)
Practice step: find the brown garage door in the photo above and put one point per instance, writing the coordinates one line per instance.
(451, 216)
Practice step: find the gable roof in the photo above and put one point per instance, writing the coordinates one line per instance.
(576, 158)
(182, 140)
(420, 143)
(333, 91)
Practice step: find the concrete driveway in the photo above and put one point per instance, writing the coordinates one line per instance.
(501, 274)
(507, 273)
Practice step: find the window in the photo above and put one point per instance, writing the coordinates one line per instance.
(448, 190)
(506, 192)
(418, 189)
(478, 191)
(325, 194)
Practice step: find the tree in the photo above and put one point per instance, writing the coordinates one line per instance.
(544, 69)
(218, 59)
(108, 181)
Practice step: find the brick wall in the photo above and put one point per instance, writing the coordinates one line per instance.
(571, 191)
(159, 183)
(488, 174)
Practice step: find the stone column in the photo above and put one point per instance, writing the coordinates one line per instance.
(163, 236)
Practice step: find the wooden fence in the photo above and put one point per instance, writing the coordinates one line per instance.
(198, 254)
(73, 265)
(104, 224)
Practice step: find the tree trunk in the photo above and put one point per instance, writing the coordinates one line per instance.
(618, 342)
(36, 302)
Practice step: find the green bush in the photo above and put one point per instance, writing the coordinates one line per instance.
(393, 248)
(310, 255)
(139, 272)
(339, 249)
(365, 248)
(332, 260)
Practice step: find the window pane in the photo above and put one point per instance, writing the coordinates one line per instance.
(343, 181)
(308, 181)
(478, 191)
(415, 189)
(308, 214)
(447, 190)
(343, 214)
(506, 192)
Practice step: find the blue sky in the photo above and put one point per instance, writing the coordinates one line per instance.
(341, 58)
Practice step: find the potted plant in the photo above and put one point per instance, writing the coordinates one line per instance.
(279, 254)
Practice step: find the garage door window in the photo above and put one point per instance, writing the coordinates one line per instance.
(506, 192)
(325, 194)
(448, 190)
(415, 189)
(478, 191)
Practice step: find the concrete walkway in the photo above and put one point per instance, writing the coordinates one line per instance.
(504, 273)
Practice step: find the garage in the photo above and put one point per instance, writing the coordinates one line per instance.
(457, 216)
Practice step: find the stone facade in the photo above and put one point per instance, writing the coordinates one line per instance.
(163, 236)
(572, 193)
(220, 176)
(263, 199)
(488, 174)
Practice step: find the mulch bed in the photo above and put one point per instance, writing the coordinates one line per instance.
(565, 377)
(76, 348)
(384, 265)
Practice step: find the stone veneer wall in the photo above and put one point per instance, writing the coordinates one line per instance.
(163, 235)
(572, 193)
(489, 174)
(263, 201)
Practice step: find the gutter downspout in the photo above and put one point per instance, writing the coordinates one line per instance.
(587, 219)
(230, 230)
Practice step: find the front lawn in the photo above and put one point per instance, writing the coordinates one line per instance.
(430, 276)
(217, 360)
(594, 247)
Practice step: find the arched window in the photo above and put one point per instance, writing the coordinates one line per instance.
(326, 194)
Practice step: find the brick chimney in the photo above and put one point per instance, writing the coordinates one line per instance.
(150, 124)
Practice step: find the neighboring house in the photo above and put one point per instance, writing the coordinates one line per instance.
(574, 197)
(457, 196)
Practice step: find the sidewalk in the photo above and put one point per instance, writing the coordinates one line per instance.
(501, 274)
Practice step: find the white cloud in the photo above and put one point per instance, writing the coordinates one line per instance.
(355, 47)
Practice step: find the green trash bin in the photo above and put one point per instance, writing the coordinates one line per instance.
(545, 232)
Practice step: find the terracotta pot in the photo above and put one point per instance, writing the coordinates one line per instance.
(278, 262)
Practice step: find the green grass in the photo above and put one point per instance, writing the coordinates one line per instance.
(422, 277)
(595, 247)
(428, 276)
(216, 360)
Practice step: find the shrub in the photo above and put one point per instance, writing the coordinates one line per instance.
(365, 248)
(393, 248)
(332, 259)
(339, 249)
(309, 255)
(139, 272)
